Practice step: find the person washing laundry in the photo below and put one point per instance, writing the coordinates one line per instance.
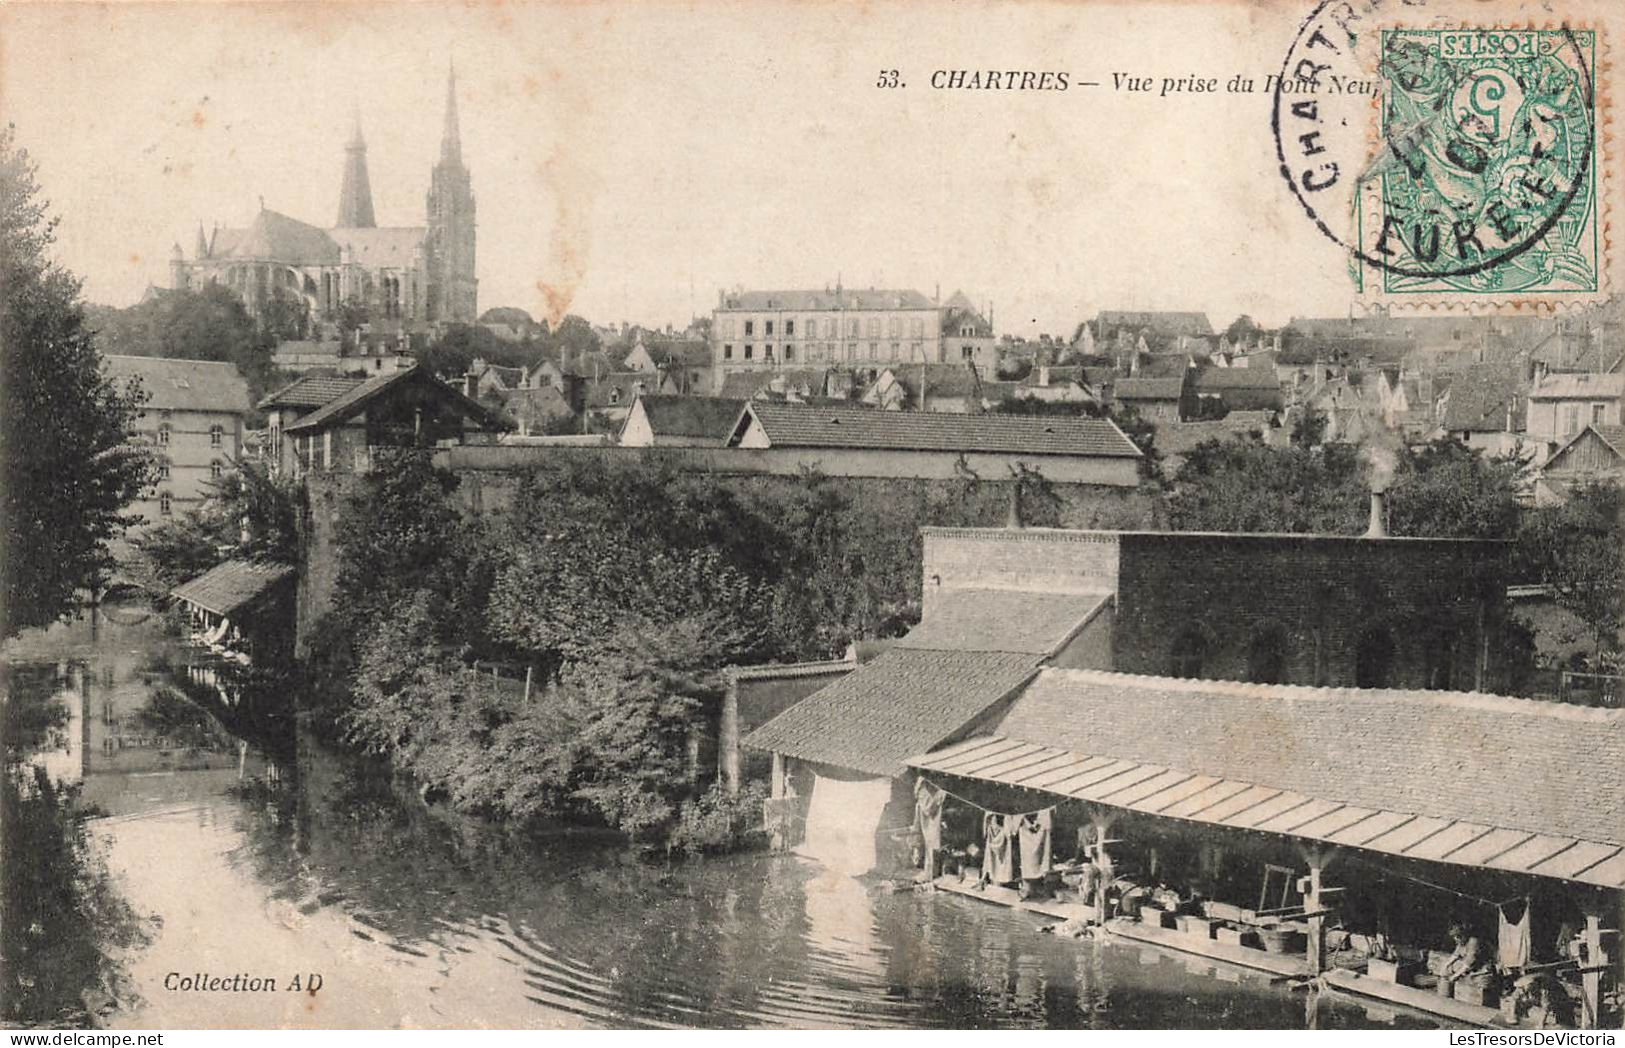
(1468, 959)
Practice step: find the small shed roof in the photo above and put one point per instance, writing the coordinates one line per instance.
(227, 587)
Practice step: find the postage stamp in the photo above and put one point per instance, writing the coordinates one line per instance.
(1489, 181)
(1460, 166)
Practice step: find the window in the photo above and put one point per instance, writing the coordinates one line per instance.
(874, 351)
(852, 328)
(919, 326)
(727, 352)
(1266, 657)
(767, 352)
(789, 351)
(165, 508)
(1188, 653)
(215, 469)
(163, 469)
(768, 330)
(896, 326)
(874, 327)
(967, 352)
(896, 350)
(217, 435)
(614, 395)
(748, 352)
(1373, 658)
(1571, 419)
(750, 327)
(1596, 414)
(163, 433)
(789, 327)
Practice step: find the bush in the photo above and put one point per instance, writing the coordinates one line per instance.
(717, 821)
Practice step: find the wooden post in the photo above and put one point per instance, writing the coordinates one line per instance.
(1103, 863)
(1313, 906)
(1591, 981)
(775, 788)
(528, 671)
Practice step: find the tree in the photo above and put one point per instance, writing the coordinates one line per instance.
(1578, 549)
(248, 513)
(69, 470)
(1242, 329)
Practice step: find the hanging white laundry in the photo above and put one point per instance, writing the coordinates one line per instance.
(842, 818)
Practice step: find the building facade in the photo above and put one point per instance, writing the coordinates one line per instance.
(402, 277)
(790, 329)
(193, 421)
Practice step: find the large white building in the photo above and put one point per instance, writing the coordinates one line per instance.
(835, 326)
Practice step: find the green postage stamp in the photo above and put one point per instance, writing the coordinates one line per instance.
(1488, 180)
(1470, 174)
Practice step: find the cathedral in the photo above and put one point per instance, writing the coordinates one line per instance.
(404, 277)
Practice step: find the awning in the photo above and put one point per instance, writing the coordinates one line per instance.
(1153, 789)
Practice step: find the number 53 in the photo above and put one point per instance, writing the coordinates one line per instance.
(888, 78)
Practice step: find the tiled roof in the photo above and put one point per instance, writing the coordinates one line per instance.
(1149, 388)
(311, 391)
(226, 587)
(676, 416)
(1161, 322)
(352, 400)
(846, 298)
(1482, 760)
(789, 670)
(1237, 378)
(941, 380)
(183, 385)
(683, 352)
(1479, 399)
(799, 425)
(620, 389)
(1579, 386)
(1613, 436)
(903, 702)
(1003, 620)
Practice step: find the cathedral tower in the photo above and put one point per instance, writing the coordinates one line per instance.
(355, 196)
(453, 289)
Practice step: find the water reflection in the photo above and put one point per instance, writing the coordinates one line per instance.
(281, 859)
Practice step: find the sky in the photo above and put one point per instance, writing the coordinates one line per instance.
(631, 159)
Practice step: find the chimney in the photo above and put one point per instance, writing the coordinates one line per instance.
(469, 378)
(1043, 374)
(1379, 516)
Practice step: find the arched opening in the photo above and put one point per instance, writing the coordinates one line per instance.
(1266, 656)
(1374, 658)
(1442, 662)
(1188, 654)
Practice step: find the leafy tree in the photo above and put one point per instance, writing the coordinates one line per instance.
(1578, 549)
(1242, 329)
(1309, 428)
(1244, 485)
(1447, 489)
(247, 513)
(69, 471)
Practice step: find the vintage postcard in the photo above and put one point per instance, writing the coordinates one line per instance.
(921, 515)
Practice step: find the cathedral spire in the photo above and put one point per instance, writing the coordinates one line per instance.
(451, 139)
(355, 195)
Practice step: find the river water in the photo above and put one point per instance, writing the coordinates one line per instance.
(280, 860)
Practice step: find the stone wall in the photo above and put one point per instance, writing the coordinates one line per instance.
(1437, 601)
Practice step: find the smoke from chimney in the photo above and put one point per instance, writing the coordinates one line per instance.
(1378, 527)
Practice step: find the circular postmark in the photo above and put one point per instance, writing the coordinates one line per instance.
(1446, 156)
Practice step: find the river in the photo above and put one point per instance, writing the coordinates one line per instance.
(280, 859)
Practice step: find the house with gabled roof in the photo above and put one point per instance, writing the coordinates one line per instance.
(670, 421)
(408, 408)
(1486, 408)
(193, 422)
(848, 440)
(1561, 406)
